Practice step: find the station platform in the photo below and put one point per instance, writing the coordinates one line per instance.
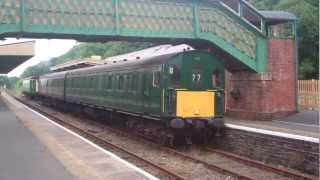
(34, 147)
(303, 126)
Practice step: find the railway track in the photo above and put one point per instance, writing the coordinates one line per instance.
(260, 165)
(129, 156)
(287, 174)
(164, 173)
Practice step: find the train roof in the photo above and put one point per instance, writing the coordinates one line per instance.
(54, 75)
(125, 64)
(145, 61)
(156, 58)
(30, 77)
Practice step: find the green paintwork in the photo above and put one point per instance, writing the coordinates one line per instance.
(29, 86)
(133, 88)
(128, 19)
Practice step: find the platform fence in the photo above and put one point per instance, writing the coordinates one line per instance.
(308, 93)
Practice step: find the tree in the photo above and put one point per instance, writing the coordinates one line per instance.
(8, 82)
(85, 50)
(307, 12)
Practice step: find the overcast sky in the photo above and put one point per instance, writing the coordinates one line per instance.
(44, 50)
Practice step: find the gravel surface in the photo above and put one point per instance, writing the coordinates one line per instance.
(182, 167)
(241, 168)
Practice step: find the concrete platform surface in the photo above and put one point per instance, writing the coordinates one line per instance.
(305, 123)
(22, 155)
(80, 158)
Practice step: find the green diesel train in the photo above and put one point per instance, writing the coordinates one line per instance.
(30, 86)
(183, 91)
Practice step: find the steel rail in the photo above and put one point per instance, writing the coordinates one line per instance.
(261, 165)
(101, 141)
(249, 162)
(168, 150)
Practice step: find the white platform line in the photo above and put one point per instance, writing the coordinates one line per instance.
(96, 146)
(298, 124)
(274, 133)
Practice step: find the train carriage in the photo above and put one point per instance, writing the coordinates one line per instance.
(177, 87)
(52, 85)
(30, 86)
(181, 90)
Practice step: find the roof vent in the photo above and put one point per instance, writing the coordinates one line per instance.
(137, 57)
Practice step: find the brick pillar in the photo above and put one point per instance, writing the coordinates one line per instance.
(266, 95)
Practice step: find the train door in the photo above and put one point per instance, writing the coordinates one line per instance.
(155, 91)
(64, 85)
(146, 81)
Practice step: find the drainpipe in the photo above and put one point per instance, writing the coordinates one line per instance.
(295, 27)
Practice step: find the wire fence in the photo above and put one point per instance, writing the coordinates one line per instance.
(308, 92)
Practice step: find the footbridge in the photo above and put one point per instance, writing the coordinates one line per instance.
(233, 27)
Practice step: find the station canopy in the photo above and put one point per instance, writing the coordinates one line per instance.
(12, 55)
(78, 63)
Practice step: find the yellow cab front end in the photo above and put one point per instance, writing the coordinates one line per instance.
(194, 109)
(195, 104)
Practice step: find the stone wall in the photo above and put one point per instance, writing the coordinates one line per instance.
(266, 95)
(290, 153)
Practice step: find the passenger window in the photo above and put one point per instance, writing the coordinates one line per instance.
(88, 82)
(146, 83)
(216, 79)
(106, 86)
(121, 80)
(92, 83)
(129, 82)
(109, 82)
(135, 82)
(125, 82)
(140, 82)
(156, 79)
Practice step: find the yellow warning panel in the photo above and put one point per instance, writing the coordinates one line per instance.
(192, 104)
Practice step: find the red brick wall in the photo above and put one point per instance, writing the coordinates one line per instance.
(268, 95)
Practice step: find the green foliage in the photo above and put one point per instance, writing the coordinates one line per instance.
(4, 81)
(307, 12)
(9, 82)
(39, 69)
(85, 50)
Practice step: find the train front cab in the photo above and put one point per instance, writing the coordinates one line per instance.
(30, 86)
(195, 92)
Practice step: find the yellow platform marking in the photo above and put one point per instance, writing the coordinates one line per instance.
(191, 104)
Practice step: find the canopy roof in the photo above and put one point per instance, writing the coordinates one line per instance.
(12, 55)
(79, 63)
(276, 17)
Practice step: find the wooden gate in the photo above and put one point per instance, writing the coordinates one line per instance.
(308, 92)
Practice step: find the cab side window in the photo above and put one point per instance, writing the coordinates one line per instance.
(174, 72)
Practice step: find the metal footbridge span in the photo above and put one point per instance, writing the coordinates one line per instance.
(233, 27)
